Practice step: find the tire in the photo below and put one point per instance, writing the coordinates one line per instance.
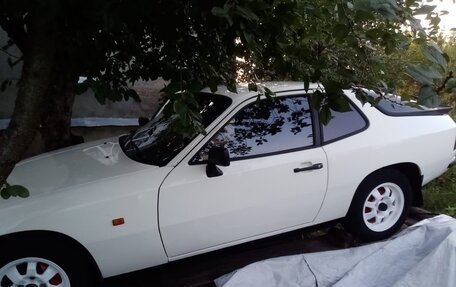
(380, 205)
(32, 263)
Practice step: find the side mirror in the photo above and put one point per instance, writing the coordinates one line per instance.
(142, 121)
(217, 156)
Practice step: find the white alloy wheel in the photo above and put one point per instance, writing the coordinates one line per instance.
(383, 207)
(33, 272)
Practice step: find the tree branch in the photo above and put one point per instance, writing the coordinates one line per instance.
(442, 86)
(15, 31)
(11, 55)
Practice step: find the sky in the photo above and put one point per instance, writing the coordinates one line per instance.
(448, 21)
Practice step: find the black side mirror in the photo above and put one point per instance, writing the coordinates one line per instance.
(217, 156)
(142, 121)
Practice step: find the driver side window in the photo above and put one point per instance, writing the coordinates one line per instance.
(270, 126)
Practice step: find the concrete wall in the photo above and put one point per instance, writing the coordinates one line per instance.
(106, 117)
(5, 70)
(85, 105)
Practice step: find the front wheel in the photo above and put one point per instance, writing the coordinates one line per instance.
(43, 265)
(34, 272)
(380, 205)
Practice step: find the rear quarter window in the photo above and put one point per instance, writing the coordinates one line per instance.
(344, 124)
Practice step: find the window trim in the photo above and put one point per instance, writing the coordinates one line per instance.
(366, 120)
(315, 131)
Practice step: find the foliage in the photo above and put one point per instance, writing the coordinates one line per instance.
(344, 43)
(194, 44)
(13, 190)
(432, 76)
(440, 195)
(440, 76)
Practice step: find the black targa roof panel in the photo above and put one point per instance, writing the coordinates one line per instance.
(391, 107)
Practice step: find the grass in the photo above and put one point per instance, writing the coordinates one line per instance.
(440, 194)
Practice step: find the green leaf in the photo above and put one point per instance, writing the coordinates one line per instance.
(268, 93)
(306, 83)
(316, 100)
(386, 8)
(390, 43)
(315, 77)
(15, 190)
(247, 13)
(4, 85)
(213, 83)
(338, 103)
(428, 97)
(4, 194)
(130, 93)
(423, 74)
(249, 38)
(325, 115)
(253, 87)
(347, 73)
(231, 86)
(10, 62)
(451, 84)
(340, 31)
(364, 97)
(362, 16)
(361, 96)
(172, 88)
(375, 33)
(222, 13)
(196, 115)
(415, 24)
(333, 88)
(425, 9)
(82, 87)
(352, 41)
(435, 55)
(219, 12)
(180, 108)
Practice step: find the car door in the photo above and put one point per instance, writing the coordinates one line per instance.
(276, 180)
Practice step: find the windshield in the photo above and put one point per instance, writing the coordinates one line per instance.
(156, 143)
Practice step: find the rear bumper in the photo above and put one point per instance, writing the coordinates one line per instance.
(453, 162)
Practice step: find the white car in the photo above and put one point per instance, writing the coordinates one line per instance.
(264, 167)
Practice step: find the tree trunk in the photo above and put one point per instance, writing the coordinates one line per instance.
(56, 122)
(39, 54)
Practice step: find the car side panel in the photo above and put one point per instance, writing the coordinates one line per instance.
(426, 141)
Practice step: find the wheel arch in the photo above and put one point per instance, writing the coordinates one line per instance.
(45, 236)
(413, 173)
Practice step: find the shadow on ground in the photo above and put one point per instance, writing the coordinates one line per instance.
(200, 271)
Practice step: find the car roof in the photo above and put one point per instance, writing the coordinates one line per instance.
(243, 92)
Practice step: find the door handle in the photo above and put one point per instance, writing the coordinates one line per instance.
(312, 167)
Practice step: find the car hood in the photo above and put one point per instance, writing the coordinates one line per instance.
(74, 166)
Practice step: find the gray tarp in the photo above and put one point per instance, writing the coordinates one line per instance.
(421, 255)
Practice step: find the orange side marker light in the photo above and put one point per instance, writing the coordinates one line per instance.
(118, 221)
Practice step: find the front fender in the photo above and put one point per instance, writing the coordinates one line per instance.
(86, 213)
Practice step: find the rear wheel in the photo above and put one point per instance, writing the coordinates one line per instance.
(44, 266)
(380, 205)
